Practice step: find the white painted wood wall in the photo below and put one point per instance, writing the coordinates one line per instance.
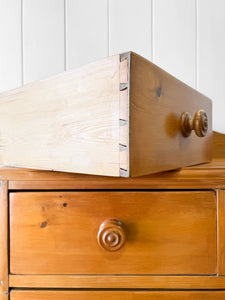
(39, 38)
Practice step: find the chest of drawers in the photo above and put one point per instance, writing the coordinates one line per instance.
(70, 236)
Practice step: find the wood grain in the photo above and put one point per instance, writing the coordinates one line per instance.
(166, 232)
(221, 231)
(187, 181)
(115, 281)
(157, 101)
(69, 122)
(115, 295)
(79, 120)
(210, 175)
(4, 285)
(218, 145)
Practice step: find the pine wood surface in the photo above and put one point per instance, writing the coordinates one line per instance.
(207, 176)
(204, 176)
(157, 101)
(218, 145)
(68, 122)
(221, 231)
(119, 116)
(166, 232)
(116, 295)
(117, 282)
(4, 270)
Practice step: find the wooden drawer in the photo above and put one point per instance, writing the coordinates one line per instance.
(162, 232)
(116, 295)
(120, 116)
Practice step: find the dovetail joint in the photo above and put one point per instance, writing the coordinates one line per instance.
(123, 86)
(123, 122)
(124, 173)
(123, 147)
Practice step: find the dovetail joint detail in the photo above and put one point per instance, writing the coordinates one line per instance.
(123, 86)
(123, 123)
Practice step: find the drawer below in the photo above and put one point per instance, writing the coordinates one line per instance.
(76, 232)
(116, 295)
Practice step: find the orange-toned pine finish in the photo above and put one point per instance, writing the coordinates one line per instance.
(71, 236)
(165, 232)
(116, 295)
(4, 268)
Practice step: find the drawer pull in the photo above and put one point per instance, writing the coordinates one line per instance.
(111, 235)
(199, 123)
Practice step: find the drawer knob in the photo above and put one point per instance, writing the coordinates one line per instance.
(199, 123)
(111, 235)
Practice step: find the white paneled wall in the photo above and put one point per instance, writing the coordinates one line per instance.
(43, 38)
(174, 43)
(40, 38)
(211, 56)
(10, 44)
(130, 27)
(86, 31)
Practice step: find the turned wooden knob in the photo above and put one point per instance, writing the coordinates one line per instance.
(199, 124)
(111, 235)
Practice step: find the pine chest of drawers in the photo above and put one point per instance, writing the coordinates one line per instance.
(69, 236)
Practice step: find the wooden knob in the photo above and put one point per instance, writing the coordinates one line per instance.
(111, 235)
(199, 124)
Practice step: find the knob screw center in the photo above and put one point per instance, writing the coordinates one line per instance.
(110, 238)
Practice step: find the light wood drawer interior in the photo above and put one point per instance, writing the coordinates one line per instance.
(116, 295)
(165, 232)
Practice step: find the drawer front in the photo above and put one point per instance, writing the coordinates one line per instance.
(162, 111)
(115, 295)
(113, 232)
